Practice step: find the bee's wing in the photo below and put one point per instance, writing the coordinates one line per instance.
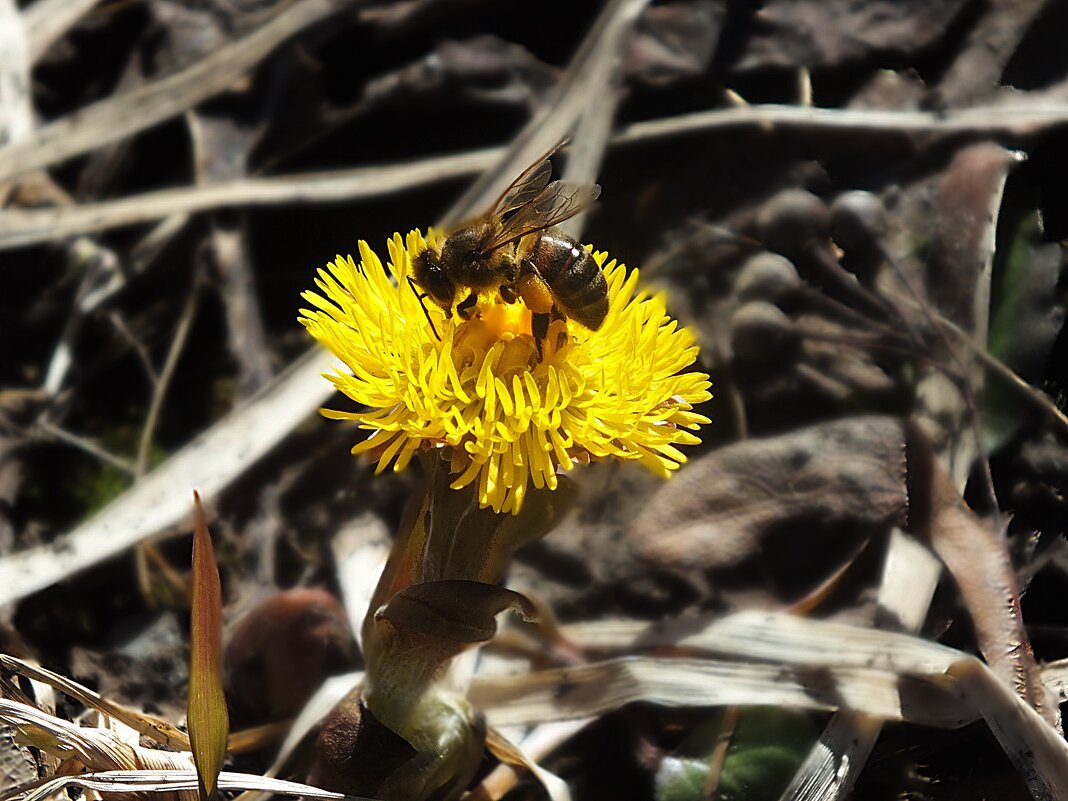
(559, 201)
(525, 188)
(530, 183)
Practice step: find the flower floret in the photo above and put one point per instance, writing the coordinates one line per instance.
(512, 414)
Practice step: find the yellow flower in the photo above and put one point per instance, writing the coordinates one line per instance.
(510, 418)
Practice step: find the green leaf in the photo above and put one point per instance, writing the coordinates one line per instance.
(458, 612)
(681, 779)
(1026, 316)
(209, 723)
(767, 747)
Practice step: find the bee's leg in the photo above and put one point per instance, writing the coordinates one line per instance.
(426, 312)
(466, 307)
(556, 314)
(508, 293)
(539, 327)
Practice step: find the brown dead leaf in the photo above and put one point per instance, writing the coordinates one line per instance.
(976, 72)
(966, 205)
(719, 510)
(956, 214)
(976, 556)
(484, 69)
(822, 33)
(674, 41)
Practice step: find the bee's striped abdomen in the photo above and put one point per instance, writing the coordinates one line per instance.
(575, 278)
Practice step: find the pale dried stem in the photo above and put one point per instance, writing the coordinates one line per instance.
(538, 745)
(46, 21)
(211, 462)
(934, 319)
(25, 227)
(804, 87)
(146, 552)
(116, 117)
(1025, 118)
(51, 431)
(1041, 401)
(159, 391)
(20, 227)
(910, 576)
(246, 334)
(603, 88)
(138, 346)
(575, 91)
(719, 754)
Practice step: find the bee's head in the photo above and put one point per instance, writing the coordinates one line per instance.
(434, 279)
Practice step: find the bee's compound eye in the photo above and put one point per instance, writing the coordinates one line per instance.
(439, 286)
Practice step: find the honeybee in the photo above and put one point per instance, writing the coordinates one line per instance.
(515, 249)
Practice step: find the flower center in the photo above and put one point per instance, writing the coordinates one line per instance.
(502, 319)
(504, 329)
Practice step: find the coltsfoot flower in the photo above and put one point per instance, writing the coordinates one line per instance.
(510, 417)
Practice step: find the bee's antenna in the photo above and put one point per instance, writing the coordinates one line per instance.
(426, 312)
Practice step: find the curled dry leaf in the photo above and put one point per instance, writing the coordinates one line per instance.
(135, 783)
(951, 222)
(93, 748)
(596, 688)
(788, 661)
(154, 728)
(512, 754)
(720, 509)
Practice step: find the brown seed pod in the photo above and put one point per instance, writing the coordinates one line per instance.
(760, 332)
(792, 220)
(767, 276)
(858, 222)
(281, 650)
